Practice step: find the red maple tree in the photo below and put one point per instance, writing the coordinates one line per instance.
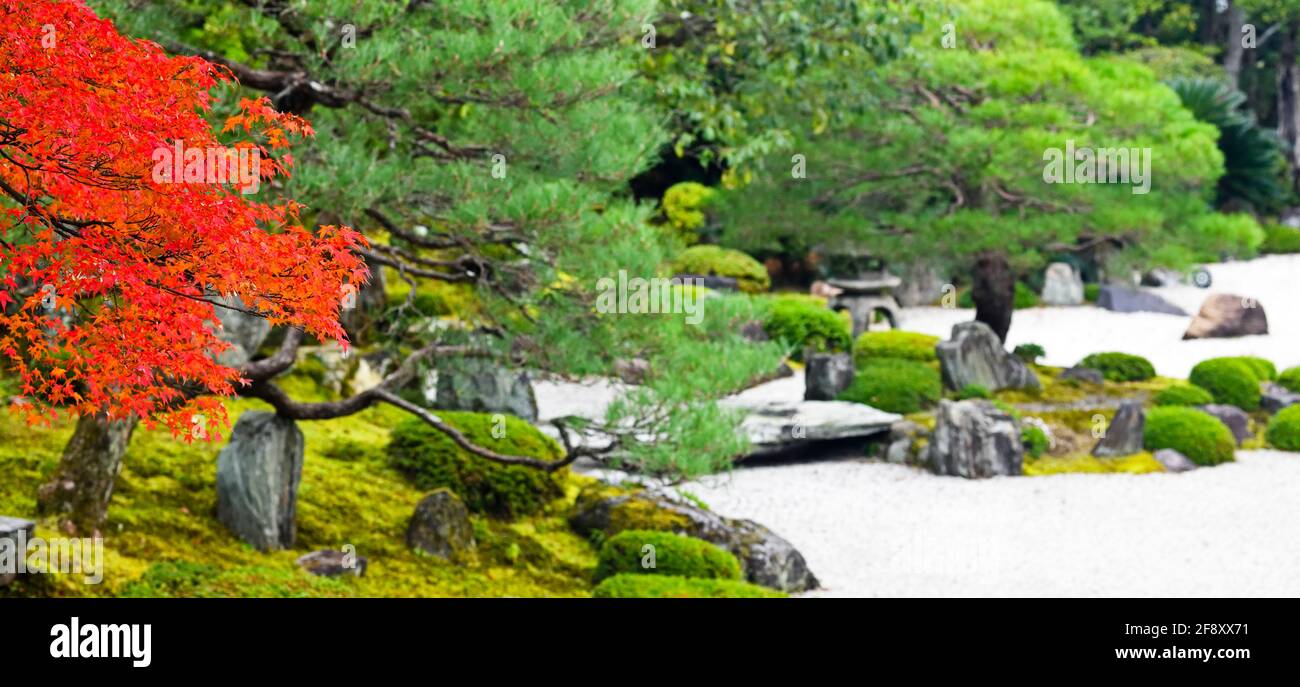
(110, 270)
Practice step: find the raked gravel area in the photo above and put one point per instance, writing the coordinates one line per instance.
(873, 529)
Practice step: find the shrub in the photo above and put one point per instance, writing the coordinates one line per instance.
(1263, 368)
(1120, 367)
(683, 206)
(1284, 429)
(432, 460)
(1029, 352)
(804, 324)
(894, 344)
(1091, 292)
(670, 587)
(674, 554)
(1280, 239)
(1024, 298)
(973, 391)
(1194, 433)
(894, 385)
(1183, 395)
(1229, 381)
(1290, 379)
(1034, 440)
(750, 275)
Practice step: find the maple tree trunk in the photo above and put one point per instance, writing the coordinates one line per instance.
(83, 482)
(994, 292)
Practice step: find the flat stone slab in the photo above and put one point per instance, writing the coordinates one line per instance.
(780, 424)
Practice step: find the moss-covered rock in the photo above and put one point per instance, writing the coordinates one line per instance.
(1229, 380)
(649, 552)
(1193, 433)
(895, 385)
(709, 260)
(1120, 367)
(669, 587)
(1263, 368)
(432, 460)
(1284, 429)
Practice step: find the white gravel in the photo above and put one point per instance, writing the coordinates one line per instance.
(873, 529)
(1069, 334)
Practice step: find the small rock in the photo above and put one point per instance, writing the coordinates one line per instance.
(1223, 316)
(1233, 417)
(441, 526)
(14, 535)
(901, 447)
(1174, 461)
(633, 371)
(258, 474)
(822, 289)
(753, 331)
(974, 355)
(1124, 433)
(826, 375)
(1120, 299)
(975, 439)
(1275, 397)
(331, 563)
(1079, 373)
(1062, 285)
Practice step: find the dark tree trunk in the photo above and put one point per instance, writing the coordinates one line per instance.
(994, 292)
(1288, 98)
(83, 482)
(1234, 51)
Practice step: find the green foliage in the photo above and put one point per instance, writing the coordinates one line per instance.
(673, 554)
(1120, 367)
(1035, 440)
(750, 275)
(1183, 395)
(669, 587)
(1029, 352)
(1194, 433)
(1290, 379)
(1284, 429)
(894, 385)
(1252, 155)
(1136, 464)
(894, 344)
(804, 324)
(1091, 292)
(1279, 239)
(1229, 380)
(683, 207)
(973, 391)
(433, 460)
(1024, 298)
(1263, 368)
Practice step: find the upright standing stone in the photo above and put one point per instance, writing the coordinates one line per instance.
(826, 375)
(1124, 433)
(975, 439)
(481, 386)
(1062, 285)
(258, 474)
(975, 355)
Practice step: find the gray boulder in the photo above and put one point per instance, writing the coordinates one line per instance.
(441, 527)
(1079, 373)
(778, 425)
(1275, 397)
(331, 563)
(922, 284)
(1173, 460)
(15, 533)
(901, 449)
(243, 331)
(258, 474)
(1123, 435)
(483, 387)
(974, 355)
(826, 375)
(1120, 299)
(766, 558)
(1233, 418)
(1062, 285)
(1224, 316)
(974, 439)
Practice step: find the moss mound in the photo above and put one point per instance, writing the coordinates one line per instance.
(1229, 380)
(432, 460)
(1290, 379)
(894, 385)
(1193, 433)
(1136, 464)
(1120, 367)
(649, 552)
(894, 344)
(1182, 395)
(669, 587)
(750, 275)
(1284, 429)
(806, 324)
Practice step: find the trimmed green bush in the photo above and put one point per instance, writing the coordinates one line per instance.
(674, 554)
(1091, 292)
(1229, 380)
(750, 275)
(1194, 433)
(894, 344)
(804, 324)
(1280, 239)
(1034, 440)
(1263, 368)
(683, 206)
(670, 587)
(894, 385)
(1029, 352)
(1183, 395)
(1290, 379)
(973, 391)
(432, 460)
(1284, 429)
(1120, 367)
